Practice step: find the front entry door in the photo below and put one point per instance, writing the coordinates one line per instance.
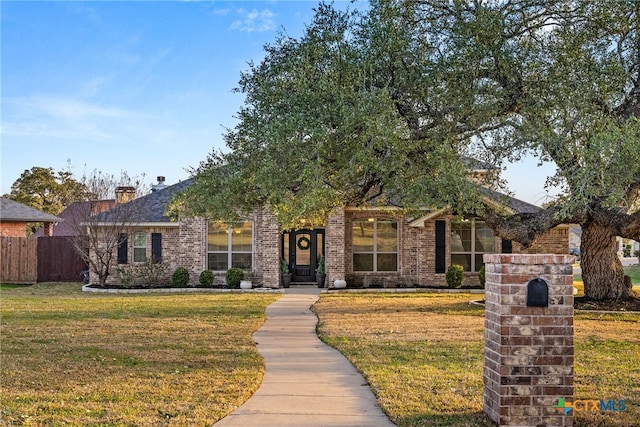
(302, 250)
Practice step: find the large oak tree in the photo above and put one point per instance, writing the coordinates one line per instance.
(382, 106)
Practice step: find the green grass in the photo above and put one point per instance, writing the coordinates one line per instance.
(7, 286)
(632, 271)
(423, 356)
(72, 358)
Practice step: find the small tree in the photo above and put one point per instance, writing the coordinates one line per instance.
(97, 239)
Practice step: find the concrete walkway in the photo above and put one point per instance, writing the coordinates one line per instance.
(306, 382)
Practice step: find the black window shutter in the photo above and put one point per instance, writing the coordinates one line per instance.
(441, 246)
(156, 247)
(507, 246)
(122, 248)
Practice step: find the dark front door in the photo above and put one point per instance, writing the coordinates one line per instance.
(302, 250)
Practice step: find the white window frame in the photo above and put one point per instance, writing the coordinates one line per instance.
(230, 250)
(134, 246)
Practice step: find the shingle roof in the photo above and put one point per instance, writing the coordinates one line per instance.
(151, 208)
(517, 205)
(74, 214)
(11, 211)
(146, 209)
(477, 165)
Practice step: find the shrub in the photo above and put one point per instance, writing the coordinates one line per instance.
(154, 274)
(233, 277)
(455, 276)
(284, 267)
(180, 277)
(206, 278)
(127, 275)
(482, 276)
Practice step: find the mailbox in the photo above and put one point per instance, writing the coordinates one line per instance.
(537, 293)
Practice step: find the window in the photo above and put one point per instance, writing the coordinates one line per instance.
(470, 239)
(140, 247)
(375, 245)
(230, 246)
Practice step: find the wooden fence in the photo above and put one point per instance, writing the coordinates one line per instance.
(42, 259)
(58, 260)
(18, 259)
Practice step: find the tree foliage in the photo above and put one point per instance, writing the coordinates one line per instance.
(46, 190)
(381, 106)
(323, 126)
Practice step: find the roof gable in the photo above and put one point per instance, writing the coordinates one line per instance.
(494, 199)
(74, 214)
(146, 209)
(11, 211)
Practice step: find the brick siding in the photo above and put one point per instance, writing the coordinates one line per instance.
(13, 229)
(529, 351)
(186, 246)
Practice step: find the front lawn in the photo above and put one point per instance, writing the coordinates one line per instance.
(72, 358)
(632, 271)
(423, 356)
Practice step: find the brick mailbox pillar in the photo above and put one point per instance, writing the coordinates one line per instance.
(528, 355)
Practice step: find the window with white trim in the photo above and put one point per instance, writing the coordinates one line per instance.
(140, 247)
(470, 240)
(229, 247)
(375, 244)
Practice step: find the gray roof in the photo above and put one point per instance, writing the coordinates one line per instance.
(11, 211)
(477, 165)
(151, 208)
(74, 214)
(146, 209)
(517, 205)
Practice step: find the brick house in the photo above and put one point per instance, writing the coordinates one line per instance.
(370, 247)
(14, 218)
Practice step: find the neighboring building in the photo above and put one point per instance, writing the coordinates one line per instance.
(369, 246)
(15, 216)
(627, 247)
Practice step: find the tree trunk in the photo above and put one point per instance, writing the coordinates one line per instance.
(602, 271)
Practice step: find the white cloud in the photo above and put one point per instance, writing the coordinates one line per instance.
(221, 11)
(254, 21)
(68, 108)
(54, 117)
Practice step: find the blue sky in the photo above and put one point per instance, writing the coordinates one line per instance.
(136, 86)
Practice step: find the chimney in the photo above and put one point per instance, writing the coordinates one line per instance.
(125, 194)
(160, 185)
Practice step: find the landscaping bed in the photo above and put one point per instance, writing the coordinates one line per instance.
(583, 303)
